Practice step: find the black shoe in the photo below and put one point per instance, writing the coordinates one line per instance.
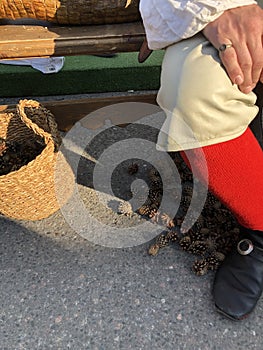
(238, 282)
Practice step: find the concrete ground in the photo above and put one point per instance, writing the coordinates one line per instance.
(61, 291)
(58, 291)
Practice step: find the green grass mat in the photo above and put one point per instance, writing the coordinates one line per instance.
(84, 74)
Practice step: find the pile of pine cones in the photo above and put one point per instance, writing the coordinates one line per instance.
(13, 155)
(213, 234)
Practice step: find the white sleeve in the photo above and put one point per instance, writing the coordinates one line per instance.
(169, 21)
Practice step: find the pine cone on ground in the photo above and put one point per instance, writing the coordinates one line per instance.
(200, 267)
(213, 263)
(188, 189)
(198, 248)
(144, 210)
(154, 249)
(133, 168)
(154, 215)
(125, 208)
(172, 236)
(167, 220)
(185, 242)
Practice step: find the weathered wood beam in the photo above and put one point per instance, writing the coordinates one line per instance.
(68, 112)
(24, 41)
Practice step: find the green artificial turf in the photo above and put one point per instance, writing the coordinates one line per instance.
(84, 74)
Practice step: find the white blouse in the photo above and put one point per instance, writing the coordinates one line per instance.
(169, 21)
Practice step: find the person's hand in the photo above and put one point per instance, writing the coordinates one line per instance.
(242, 28)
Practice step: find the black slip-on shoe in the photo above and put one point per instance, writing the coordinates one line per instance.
(238, 282)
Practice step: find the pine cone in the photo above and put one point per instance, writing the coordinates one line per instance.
(170, 224)
(219, 256)
(210, 244)
(154, 249)
(224, 244)
(167, 220)
(144, 210)
(155, 197)
(188, 189)
(172, 236)
(133, 168)
(213, 263)
(152, 173)
(199, 223)
(186, 176)
(186, 200)
(154, 215)
(125, 208)
(211, 200)
(198, 247)
(178, 220)
(200, 267)
(162, 240)
(185, 242)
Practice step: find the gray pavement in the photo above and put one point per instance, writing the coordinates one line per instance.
(58, 291)
(61, 291)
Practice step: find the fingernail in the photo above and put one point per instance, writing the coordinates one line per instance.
(238, 80)
(247, 89)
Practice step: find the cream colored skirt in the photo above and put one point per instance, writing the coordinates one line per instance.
(202, 106)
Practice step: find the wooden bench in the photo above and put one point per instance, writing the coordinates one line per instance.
(25, 41)
(30, 41)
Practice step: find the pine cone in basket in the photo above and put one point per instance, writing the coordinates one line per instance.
(13, 155)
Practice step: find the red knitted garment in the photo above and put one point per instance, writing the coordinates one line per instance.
(235, 176)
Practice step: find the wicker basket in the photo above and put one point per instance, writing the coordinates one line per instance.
(72, 11)
(29, 193)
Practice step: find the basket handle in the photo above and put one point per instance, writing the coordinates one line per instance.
(52, 136)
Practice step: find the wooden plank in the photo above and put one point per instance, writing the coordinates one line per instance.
(69, 111)
(24, 41)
